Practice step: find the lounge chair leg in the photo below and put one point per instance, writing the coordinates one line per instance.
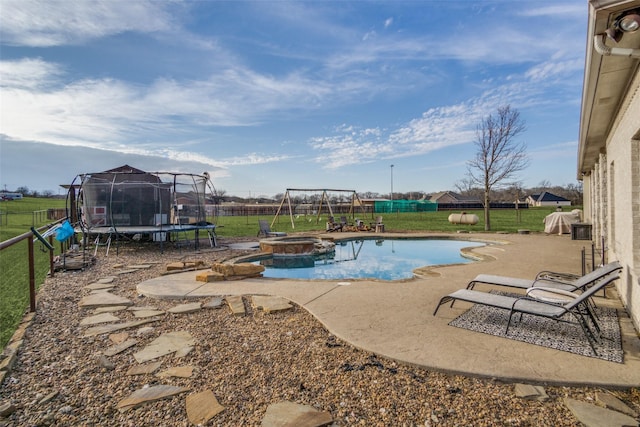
(506, 330)
(587, 333)
(443, 301)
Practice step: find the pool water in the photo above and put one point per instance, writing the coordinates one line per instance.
(384, 259)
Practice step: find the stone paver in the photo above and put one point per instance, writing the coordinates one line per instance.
(612, 402)
(142, 307)
(109, 309)
(270, 303)
(201, 407)
(293, 414)
(119, 348)
(98, 330)
(165, 344)
(236, 305)
(530, 392)
(147, 369)
(127, 271)
(97, 286)
(140, 266)
(183, 352)
(141, 314)
(595, 416)
(185, 308)
(119, 337)
(149, 394)
(216, 303)
(177, 371)
(99, 318)
(104, 299)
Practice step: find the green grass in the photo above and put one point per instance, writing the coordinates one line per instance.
(17, 218)
(502, 220)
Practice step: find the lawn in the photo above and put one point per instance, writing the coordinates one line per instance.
(503, 220)
(16, 218)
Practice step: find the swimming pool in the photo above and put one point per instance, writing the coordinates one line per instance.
(384, 259)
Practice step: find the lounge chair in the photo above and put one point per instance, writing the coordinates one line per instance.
(265, 230)
(549, 279)
(332, 225)
(577, 307)
(378, 226)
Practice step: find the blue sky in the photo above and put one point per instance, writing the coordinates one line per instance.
(269, 95)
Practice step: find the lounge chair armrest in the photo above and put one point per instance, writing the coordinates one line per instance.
(523, 298)
(554, 276)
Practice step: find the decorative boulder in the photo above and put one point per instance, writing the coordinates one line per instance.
(238, 271)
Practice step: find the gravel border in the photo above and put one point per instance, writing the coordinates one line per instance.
(249, 362)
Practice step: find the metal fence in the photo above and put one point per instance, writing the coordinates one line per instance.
(37, 217)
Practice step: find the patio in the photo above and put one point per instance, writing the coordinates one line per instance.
(395, 319)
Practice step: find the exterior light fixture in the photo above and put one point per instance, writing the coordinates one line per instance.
(625, 23)
(629, 23)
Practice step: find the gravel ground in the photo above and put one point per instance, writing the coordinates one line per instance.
(249, 362)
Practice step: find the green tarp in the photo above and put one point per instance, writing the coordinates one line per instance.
(389, 206)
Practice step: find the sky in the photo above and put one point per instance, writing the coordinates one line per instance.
(270, 95)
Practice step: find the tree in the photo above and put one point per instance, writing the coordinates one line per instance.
(499, 157)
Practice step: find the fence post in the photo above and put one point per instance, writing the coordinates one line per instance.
(32, 277)
(51, 266)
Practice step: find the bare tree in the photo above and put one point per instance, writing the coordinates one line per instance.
(499, 157)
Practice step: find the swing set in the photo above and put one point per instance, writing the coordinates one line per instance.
(324, 201)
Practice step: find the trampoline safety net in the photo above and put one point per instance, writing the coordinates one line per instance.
(113, 199)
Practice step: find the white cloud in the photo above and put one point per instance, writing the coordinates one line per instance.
(28, 73)
(42, 23)
(555, 69)
(557, 10)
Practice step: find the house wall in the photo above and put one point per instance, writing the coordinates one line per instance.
(446, 198)
(612, 192)
(567, 203)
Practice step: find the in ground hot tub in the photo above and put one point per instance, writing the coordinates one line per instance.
(296, 246)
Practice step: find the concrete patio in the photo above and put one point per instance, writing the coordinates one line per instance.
(394, 319)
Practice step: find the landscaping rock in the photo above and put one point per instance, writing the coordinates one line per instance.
(295, 415)
(209, 276)
(149, 394)
(203, 406)
(595, 416)
(236, 305)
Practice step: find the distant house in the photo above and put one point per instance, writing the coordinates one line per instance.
(10, 196)
(547, 199)
(445, 197)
